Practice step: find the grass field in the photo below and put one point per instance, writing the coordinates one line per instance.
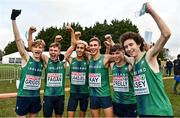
(7, 106)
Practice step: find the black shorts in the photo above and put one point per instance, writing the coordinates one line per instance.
(51, 103)
(100, 102)
(25, 105)
(73, 101)
(125, 110)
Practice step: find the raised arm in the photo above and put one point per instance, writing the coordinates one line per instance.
(18, 39)
(73, 44)
(165, 33)
(108, 43)
(32, 29)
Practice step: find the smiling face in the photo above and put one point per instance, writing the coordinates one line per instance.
(37, 51)
(132, 48)
(119, 56)
(37, 48)
(80, 50)
(54, 51)
(94, 48)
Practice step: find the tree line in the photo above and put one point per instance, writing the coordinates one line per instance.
(115, 28)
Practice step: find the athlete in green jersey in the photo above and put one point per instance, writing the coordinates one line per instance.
(54, 79)
(124, 99)
(99, 86)
(148, 85)
(79, 92)
(28, 98)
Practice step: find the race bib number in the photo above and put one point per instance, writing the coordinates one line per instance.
(54, 79)
(78, 78)
(140, 85)
(95, 79)
(120, 84)
(32, 82)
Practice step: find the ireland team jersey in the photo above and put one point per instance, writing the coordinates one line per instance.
(30, 79)
(99, 85)
(149, 88)
(54, 78)
(79, 76)
(123, 85)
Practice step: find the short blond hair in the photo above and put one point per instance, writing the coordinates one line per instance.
(82, 42)
(38, 42)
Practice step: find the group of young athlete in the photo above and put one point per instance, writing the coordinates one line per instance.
(138, 88)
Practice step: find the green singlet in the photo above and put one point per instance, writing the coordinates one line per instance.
(79, 76)
(30, 79)
(99, 85)
(123, 85)
(149, 88)
(54, 78)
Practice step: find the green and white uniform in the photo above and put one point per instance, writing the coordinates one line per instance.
(123, 85)
(79, 76)
(149, 88)
(30, 79)
(54, 78)
(99, 85)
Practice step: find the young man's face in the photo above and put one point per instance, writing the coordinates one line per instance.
(94, 48)
(54, 53)
(119, 55)
(80, 50)
(37, 51)
(131, 48)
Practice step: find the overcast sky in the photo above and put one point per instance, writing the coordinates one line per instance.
(46, 13)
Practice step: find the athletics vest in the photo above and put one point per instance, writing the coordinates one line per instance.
(149, 88)
(54, 78)
(99, 85)
(30, 79)
(79, 76)
(123, 91)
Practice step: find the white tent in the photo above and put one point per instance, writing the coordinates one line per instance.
(15, 58)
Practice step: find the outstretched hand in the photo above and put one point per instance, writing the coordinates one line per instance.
(15, 13)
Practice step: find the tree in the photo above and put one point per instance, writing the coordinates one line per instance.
(115, 28)
(10, 48)
(1, 55)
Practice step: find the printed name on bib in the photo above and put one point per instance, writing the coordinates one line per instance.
(140, 85)
(120, 84)
(32, 82)
(95, 79)
(78, 78)
(54, 79)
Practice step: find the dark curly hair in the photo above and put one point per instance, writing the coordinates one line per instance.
(132, 35)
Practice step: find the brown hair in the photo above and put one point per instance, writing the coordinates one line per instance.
(95, 39)
(38, 42)
(116, 47)
(55, 44)
(132, 35)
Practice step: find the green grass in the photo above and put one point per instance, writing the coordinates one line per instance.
(7, 106)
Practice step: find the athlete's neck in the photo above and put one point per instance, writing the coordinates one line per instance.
(96, 57)
(35, 58)
(79, 58)
(139, 56)
(120, 63)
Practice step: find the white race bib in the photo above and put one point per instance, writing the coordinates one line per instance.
(120, 84)
(78, 78)
(32, 82)
(54, 79)
(94, 79)
(140, 85)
